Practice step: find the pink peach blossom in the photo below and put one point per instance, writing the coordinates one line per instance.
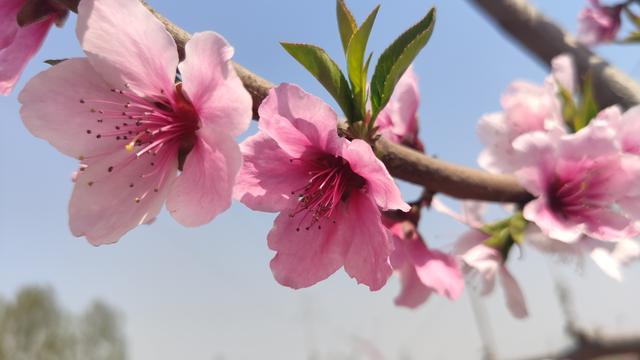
(627, 128)
(526, 107)
(422, 271)
(626, 125)
(598, 23)
(19, 44)
(119, 111)
(328, 190)
(482, 261)
(398, 121)
(609, 256)
(577, 179)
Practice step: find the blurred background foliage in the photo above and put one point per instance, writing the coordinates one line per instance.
(34, 326)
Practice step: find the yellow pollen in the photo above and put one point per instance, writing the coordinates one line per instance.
(583, 186)
(130, 146)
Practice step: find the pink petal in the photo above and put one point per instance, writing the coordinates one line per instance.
(538, 150)
(610, 257)
(212, 84)
(380, 185)
(127, 45)
(626, 251)
(438, 271)
(609, 225)
(469, 240)
(631, 206)
(103, 205)
(413, 292)
(398, 120)
(304, 257)
(402, 233)
(367, 259)
(595, 140)
(14, 58)
(486, 261)
(564, 72)
(474, 211)
(534, 236)
(498, 156)
(632, 114)
(262, 183)
(539, 212)
(52, 109)
(299, 122)
(513, 294)
(611, 114)
(471, 215)
(602, 257)
(629, 130)
(204, 189)
(527, 105)
(8, 21)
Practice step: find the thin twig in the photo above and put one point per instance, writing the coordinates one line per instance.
(546, 39)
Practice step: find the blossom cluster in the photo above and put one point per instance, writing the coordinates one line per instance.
(144, 140)
(151, 129)
(584, 179)
(599, 23)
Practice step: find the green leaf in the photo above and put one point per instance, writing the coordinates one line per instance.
(346, 23)
(355, 64)
(569, 107)
(632, 38)
(492, 228)
(632, 16)
(54, 62)
(499, 239)
(517, 225)
(396, 59)
(588, 108)
(323, 68)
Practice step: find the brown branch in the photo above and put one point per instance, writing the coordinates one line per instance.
(545, 39)
(402, 162)
(588, 344)
(454, 180)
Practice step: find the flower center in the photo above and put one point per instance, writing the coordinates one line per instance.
(577, 196)
(145, 125)
(331, 181)
(154, 129)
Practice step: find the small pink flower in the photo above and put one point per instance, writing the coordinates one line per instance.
(328, 190)
(398, 121)
(526, 107)
(626, 125)
(598, 24)
(422, 270)
(119, 111)
(627, 128)
(609, 256)
(482, 261)
(487, 263)
(577, 179)
(19, 44)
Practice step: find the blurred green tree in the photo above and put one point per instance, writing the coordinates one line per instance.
(35, 327)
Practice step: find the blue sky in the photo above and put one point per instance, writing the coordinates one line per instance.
(207, 293)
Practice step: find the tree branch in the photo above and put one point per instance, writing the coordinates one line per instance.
(545, 39)
(588, 344)
(402, 162)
